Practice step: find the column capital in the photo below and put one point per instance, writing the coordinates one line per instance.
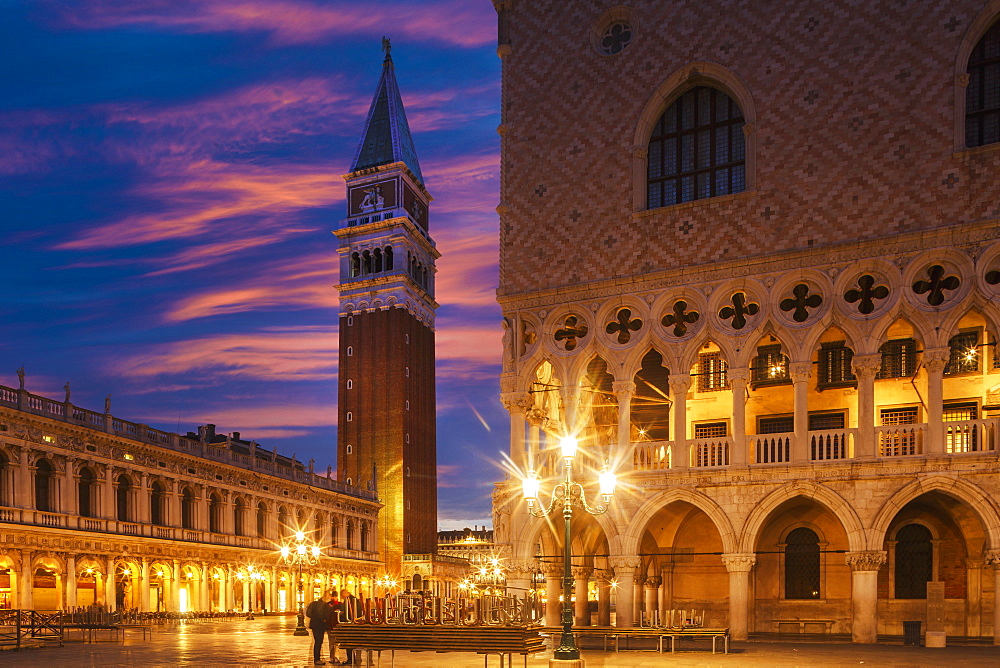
(866, 366)
(624, 565)
(737, 562)
(581, 572)
(652, 582)
(679, 384)
(517, 402)
(800, 372)
(552, 570)
(738, 377)
(604, 575)
(935, 359)
(866, 560)
(519, 567)
(623, 389)
(992, 558)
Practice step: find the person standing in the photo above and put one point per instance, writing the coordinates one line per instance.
(348, 613)
(318, 614)
(335, 607)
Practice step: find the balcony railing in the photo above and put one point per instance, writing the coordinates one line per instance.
(900, 440)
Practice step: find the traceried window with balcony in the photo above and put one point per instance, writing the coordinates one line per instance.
(964, 357)
(187, 508)
(697, 149)
(914, 562)
(769, 367)
(899, 358)
(963, 437)
(261, 520)
(904, 439)
(712, 372)
(85, 492)
(123, 500)
(982, 96)
(802, 573)
(157, 501)
(834, 367)
(44, 473)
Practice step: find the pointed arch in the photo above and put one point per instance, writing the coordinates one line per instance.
(835, 503)
(981, 503)
(629, 541)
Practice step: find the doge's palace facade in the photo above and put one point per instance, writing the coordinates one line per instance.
(750, 257)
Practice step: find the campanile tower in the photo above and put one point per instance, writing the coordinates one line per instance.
(386, 409)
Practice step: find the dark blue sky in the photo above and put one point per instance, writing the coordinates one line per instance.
(170, 177)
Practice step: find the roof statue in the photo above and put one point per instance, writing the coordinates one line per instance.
(386, 137)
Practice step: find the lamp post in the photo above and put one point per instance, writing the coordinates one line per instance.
(570, 493)
(298, 554)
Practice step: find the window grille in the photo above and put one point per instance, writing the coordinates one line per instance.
(964, 357)
(826, 421)
(697, 149)
(782, 424)
(711, 372)
(982, 96)
(711, 430)
(902, 441)
(907, 415)
(914, 561)
(802, 564)
(769, 367)
(961, 437)
(899, 358)
(835, 366)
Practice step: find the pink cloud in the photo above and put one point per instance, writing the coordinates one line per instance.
(459, 22)
(305, 353)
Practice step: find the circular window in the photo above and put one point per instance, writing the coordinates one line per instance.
(616, 38)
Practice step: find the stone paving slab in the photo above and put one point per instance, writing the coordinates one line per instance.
(269, 642)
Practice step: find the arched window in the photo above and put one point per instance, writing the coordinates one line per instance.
(123, 490)
(261, 520)
(350, 416)
(85, 493)
(982, 96)
(43, 485)
(239, 517)
(350, 535)
(335, 532)
(914, 561)
(365, 547)
(215, 513)
(387, 254)
(697, 149)
(355, 265)
(3, 479)
(187, 508)
(350, 448)
(366, 263)
(378, 260)
(350, 351)
(650, 405)
(156, 500)
(802, 564)
(350, 384)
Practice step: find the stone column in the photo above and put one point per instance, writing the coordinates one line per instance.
(865, 368)
(738, 381)
(26, 581)
(108, 506)
(519, 574)
(227, 584)
(553, 590)
(624, 568)
(110, 600)
(739, 566)
(604, 579)
(993, 559)
(246, 595)
(175, 589)
(638, 580)
(624, 390)
(973, 597)
(69, 501)
(864, 594)
(801, 372)
(570, 395)
(935, 360)
(534, 417)
(204, 589)
(678, 393)
(70, 581)
(581, 609)
(517, 403)
(23, 497)
(652, 604)
(142, 505)
(666, 601)
(143, 585)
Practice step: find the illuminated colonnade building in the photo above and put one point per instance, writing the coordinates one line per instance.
(750, 257)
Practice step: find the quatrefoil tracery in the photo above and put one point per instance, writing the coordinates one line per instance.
(936, 284)
(739, 311)
(570, 332)
(866, 293)
(679, 318)
(624, 325)
(801, 302)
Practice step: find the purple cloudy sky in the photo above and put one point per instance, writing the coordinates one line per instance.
(171, 176)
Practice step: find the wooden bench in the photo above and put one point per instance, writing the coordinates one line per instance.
(504, 641)
(697, 633)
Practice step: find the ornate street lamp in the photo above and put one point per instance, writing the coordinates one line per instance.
(298, 554)
(570, 493)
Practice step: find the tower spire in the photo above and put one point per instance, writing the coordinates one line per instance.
(386, 138)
